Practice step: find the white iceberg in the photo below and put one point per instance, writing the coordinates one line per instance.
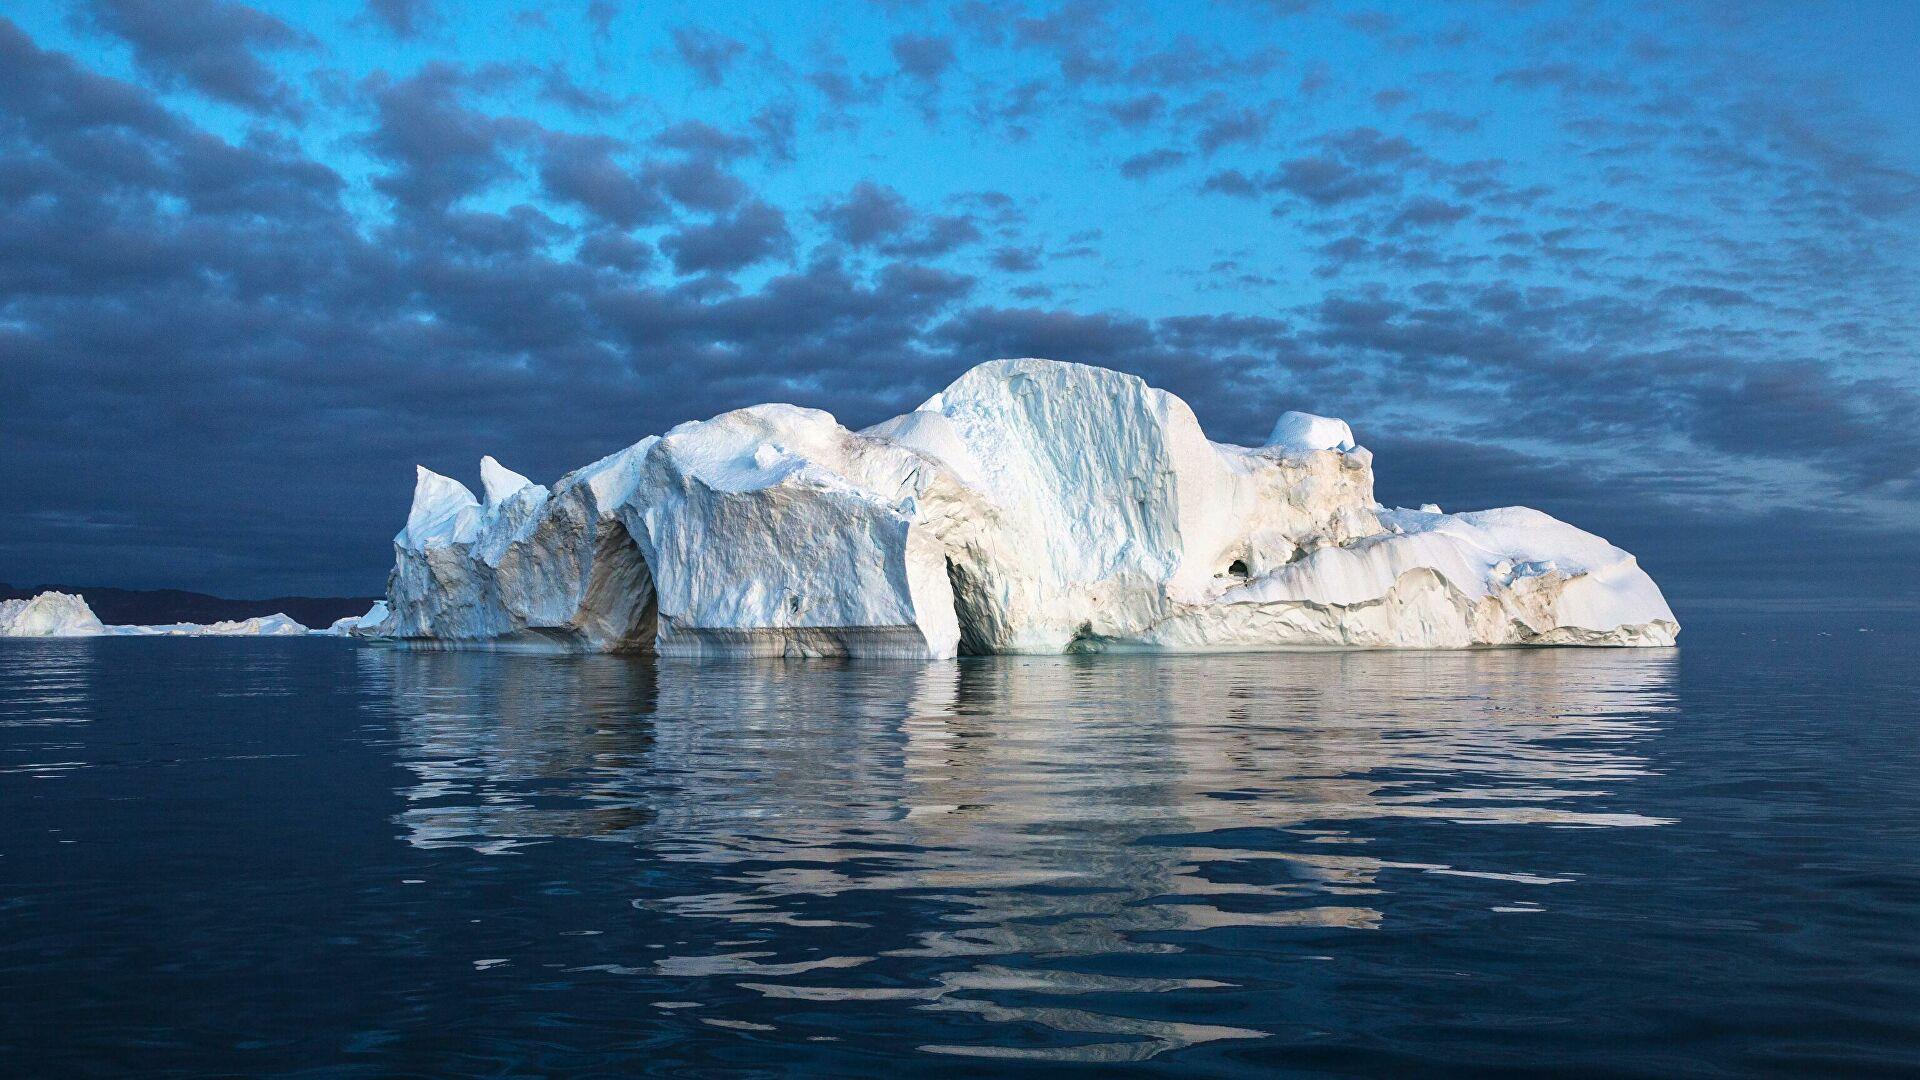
(1032, 506)
(50, 614)
(278, 624)
(366, 625)
(58, 614)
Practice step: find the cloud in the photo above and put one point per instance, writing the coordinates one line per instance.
(922, 57)
(701, 139)
(867, 215)
(1325, 180)
(700, 183)
(210, 46)
(560, 88)
(1450, 122)
(1237, 126)
(1150, 162)
(777, 125)
(438, 149)
(1710, 295)
(1566, 77)
(582, 170)
(1136, 112)
(1391, 98)
(402, 18)
(710, 54)
(878, 217)
(600, 15)
(754, 233)
(1017, 260)
(1426, 212)
(1682, 301)
(617, 251)
(1346, 166)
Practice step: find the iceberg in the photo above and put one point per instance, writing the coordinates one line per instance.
(50, 614)
(276, 625)
(366, 625)
(1032, 506)
(58, 614)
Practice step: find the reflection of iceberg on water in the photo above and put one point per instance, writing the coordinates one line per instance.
(991, 828)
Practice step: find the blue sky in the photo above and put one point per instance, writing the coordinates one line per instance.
(1649, 267)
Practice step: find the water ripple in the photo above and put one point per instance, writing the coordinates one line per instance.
(1002, 837)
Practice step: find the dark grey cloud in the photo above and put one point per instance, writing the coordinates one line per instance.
(616, 250)
(699, 183)
(1150, 162)
(1232, 182)
(1391, 98)
(1016, 260)
(582, 170)
(710, 54)
(878, 217)
(1345, 166)
(1581, 367)
(1426, 212)
(701, 139)
(1567, 77)
(754, 233)
(841, 88)
(868, 215)
(1135, 112)
(1241, 126)
(600, 16)
(1325, 180)
(210, 46)
(922, 57)
(1083, 41)
(1442, 120)
(403, 18)
(776, 126)
(1710, 295)
(244, 340)
(439, 149)
(561, 89)
(938, 234)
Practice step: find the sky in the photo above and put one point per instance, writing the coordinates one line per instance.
(1648, 267)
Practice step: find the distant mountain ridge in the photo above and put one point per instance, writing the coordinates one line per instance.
(152, 606)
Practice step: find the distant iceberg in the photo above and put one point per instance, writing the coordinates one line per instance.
(58, 614)
(1033, 506)
(50, 614)
(358, 625)
(275, 625)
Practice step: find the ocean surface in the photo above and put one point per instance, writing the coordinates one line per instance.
(307, 857)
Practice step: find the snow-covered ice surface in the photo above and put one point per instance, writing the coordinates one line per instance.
(1031, 506)
(57, 614)
(1302, 433)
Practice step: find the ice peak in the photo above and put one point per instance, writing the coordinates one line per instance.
(443, 510)
(499, 482)
(50, 614)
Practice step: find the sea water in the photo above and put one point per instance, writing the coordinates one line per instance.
(322, 858)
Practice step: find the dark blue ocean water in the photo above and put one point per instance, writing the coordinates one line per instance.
(306, 857)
